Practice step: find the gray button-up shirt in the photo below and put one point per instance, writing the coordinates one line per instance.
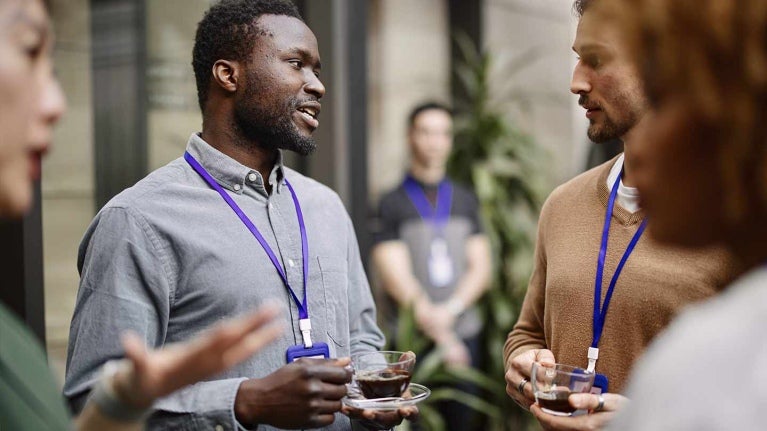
(167, 258)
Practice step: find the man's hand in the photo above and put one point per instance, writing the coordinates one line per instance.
(376, 420)
(303, 394)
(156, 373)
(520, 368)
(454, 352)
(433, 318)
(590, 422)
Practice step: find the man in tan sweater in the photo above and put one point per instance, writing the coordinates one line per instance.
(560, 319)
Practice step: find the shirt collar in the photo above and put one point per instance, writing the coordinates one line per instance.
(228, 172)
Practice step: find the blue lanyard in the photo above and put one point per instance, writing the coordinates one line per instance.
(303, 309)
(601, 313)
(438, 214)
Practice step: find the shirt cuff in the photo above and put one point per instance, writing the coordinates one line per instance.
(238, 425)
(211, 403)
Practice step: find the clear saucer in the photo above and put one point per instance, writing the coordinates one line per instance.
(355, 399)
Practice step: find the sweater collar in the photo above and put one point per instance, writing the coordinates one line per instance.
(620, 214)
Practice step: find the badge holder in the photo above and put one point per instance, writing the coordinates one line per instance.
(308, 349)
(440, 264)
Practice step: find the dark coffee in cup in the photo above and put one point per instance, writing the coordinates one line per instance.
(556, 400)
(383, 384)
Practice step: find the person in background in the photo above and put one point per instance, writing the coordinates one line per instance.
(601, 290)
(226, 227)
(31, 103)
(431, 253)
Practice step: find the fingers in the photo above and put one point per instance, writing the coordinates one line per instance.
(321, 420)
(612, 402)
(135, 351)
(558, 423)
(591, 421)
(253, 342)
(330, 371)
(544, 356)
(514, 379)
(234, 330)
(332, 392)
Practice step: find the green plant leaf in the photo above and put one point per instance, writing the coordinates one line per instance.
(466, 399)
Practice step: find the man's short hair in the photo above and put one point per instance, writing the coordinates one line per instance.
(229, 31)
(580, 6)
(427, 106)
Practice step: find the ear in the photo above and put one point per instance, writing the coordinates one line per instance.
(226, 74)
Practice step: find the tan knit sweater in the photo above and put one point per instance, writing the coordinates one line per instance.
(654, 284)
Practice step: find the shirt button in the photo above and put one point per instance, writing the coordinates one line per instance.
(237, 187)
(252, 177)
(219, 428)
(291, 263)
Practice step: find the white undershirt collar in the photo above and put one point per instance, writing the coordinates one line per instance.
(628, 197)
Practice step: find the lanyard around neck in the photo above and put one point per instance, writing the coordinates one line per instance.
(303, 309)
(600, 313)
(437, 214)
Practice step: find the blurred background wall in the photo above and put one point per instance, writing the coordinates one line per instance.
(125, 67)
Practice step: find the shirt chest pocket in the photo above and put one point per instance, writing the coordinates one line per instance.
(335, 280)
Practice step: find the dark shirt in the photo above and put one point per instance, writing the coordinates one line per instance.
(399, 220)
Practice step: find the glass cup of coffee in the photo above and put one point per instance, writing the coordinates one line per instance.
(384, 374)
(553, 384)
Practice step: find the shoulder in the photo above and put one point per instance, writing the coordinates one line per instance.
(463, 193)
(576, 192)
(149, 190)
(585, 183)
(394, 196)
(313, 192)
(704, 348)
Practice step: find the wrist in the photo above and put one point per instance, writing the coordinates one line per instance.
(109, 394)
(455, 306)
(246, 408)
(446, 339)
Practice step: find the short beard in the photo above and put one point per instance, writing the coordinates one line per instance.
(611, 129)
(272, 129)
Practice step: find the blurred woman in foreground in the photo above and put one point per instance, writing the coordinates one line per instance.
(31, 103)
(702, 173)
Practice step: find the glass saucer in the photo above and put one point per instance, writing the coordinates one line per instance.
(355, 399)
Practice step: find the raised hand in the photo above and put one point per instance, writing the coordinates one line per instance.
(304, 394)
(155, 373)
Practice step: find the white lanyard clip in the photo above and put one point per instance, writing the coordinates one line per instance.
(305, 326)
(593, 355)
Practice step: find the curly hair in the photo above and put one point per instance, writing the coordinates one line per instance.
(710, 57)
(229, 31)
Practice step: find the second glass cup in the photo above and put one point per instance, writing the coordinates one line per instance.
(553, 384)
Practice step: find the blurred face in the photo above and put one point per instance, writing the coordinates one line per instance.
(605, 80)
(431, 138)
(32, 101)
(279, 106)
(676, 174)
